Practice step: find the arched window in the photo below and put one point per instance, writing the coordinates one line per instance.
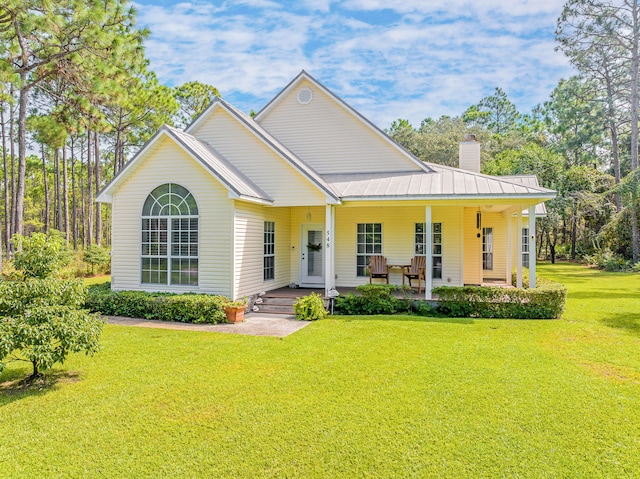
(170, 237)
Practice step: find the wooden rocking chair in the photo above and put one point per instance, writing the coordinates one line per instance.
(378, 268)
(417, 270)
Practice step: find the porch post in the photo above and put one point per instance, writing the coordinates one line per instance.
(329, 251)
(428, 253)
(519, 247)
(532, 247)
(509, 248)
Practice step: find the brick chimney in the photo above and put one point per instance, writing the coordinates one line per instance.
(469, 154)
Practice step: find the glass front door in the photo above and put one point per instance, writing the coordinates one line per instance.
(312, 256)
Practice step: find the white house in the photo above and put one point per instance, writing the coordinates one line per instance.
(305, 192)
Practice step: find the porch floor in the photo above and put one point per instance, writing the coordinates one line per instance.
(286, 292)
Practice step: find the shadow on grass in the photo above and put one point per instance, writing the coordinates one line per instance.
(605, 294)
(627, 321)
(403, 317)
(17, 386)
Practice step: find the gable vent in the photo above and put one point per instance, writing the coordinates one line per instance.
(305, 95)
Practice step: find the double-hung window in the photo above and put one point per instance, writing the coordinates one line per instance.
(269, 251)
(525, 247)
(368, 243)
(487, 249)
(436, 246)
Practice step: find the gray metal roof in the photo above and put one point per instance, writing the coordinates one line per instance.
(531, 180)
(224, 170)
(443, 182)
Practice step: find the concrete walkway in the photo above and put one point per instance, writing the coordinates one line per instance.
(255, 324)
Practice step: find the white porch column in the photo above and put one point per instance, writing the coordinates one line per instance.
(519, 247)
(509, 248)
(329, 249)
(428, 253)
(532, 246)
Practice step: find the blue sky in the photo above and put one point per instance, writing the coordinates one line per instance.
(388, 59)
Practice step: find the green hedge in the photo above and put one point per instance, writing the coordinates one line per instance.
(373, 299)
(544, 302)
(187, 308)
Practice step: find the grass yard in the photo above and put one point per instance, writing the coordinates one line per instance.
(348, 397)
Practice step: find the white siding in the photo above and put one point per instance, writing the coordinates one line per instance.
(249, 229)
(398, 230)
(257, 161)
(169, 164)
(329, 138)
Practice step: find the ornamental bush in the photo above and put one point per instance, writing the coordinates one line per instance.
(546, 301)
(186, 308)
(41, 316)
(310, 308)
(373, 299)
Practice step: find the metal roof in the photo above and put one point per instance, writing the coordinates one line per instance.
(444, 182)
(226, 172)
(531, 180)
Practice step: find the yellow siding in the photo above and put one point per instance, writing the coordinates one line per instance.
(472, 248)
(398, 230)
(284, 184)
(499, 224)
(169, 163)
(330, 138)
(248, 256)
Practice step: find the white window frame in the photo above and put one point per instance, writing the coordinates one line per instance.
(364, 250)
(269, 251)
(169, 219)
(487, 249)
(419, 241)
(525, 247)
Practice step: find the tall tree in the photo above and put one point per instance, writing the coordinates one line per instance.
(79, 40)
(614, 25)
(496, 113)
(193, 97)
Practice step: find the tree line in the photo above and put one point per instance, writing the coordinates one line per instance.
(582, 142)
(77, 99)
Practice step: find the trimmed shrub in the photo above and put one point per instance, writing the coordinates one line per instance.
(373, 299)
(543, 302)
(310, 308)
(186, 308)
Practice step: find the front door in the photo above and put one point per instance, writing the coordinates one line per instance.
(312, 256)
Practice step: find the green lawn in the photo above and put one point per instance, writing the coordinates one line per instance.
(349, 397)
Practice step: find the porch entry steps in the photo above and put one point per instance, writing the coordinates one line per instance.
(280, 301)
(276, 305)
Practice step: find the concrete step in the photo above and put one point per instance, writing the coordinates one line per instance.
(278, 300)
(275, 308)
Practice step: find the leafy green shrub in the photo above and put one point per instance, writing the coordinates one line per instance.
(186, 308)
(373, 299)
(41, 320)
(544, 302)
(40, 255)
(607, 260)
(97, 256)
(310, 308)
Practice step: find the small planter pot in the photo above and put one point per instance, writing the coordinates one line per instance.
(235, 314)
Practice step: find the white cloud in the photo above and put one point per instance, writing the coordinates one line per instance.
(423, 59)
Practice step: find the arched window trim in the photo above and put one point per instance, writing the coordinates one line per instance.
(170, 237)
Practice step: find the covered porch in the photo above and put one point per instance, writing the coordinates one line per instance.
(469, 244)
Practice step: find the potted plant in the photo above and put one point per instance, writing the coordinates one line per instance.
(235, 310)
